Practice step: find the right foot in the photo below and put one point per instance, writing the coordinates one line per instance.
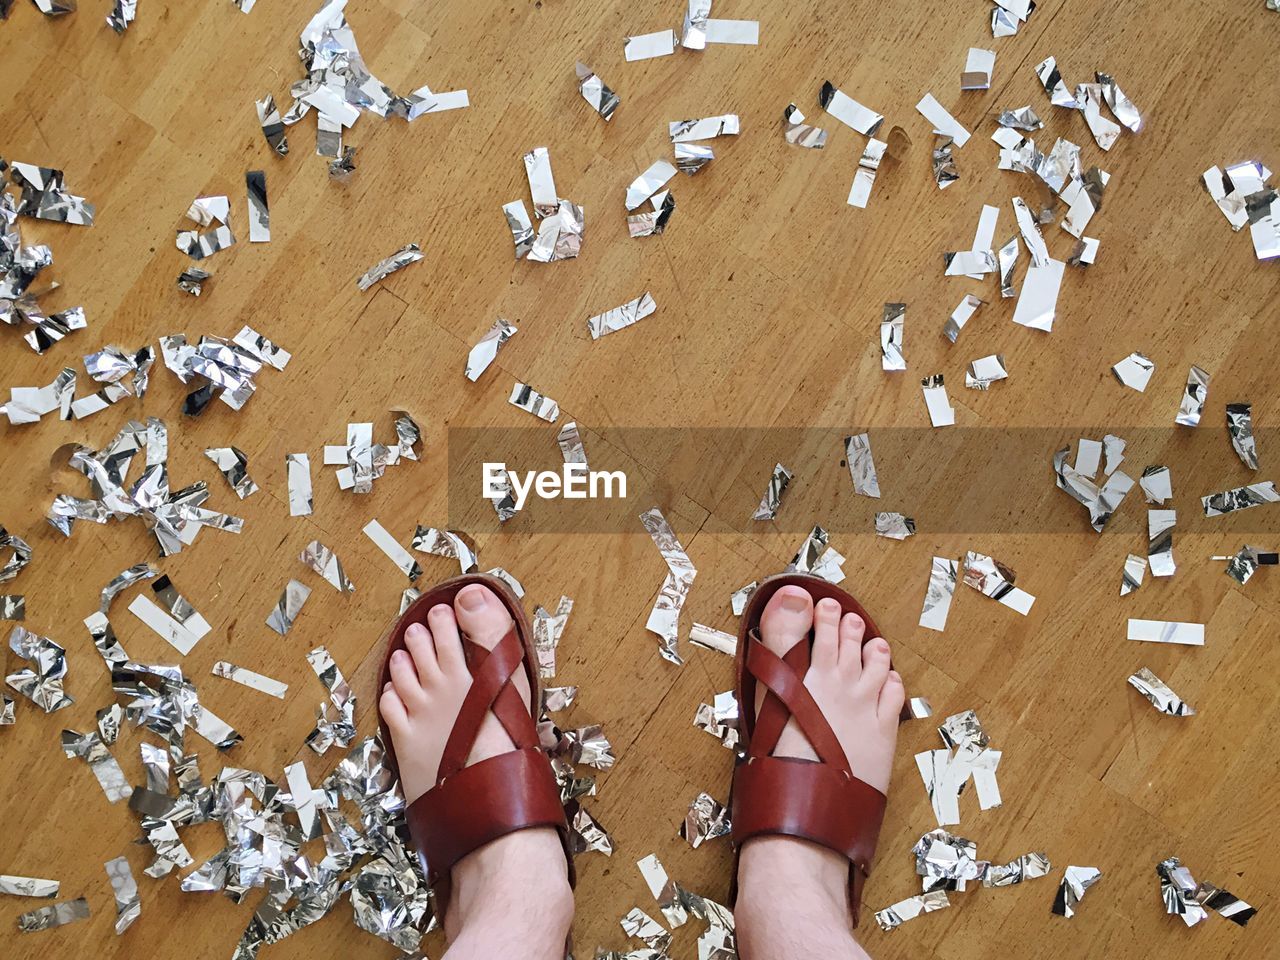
(860, 696)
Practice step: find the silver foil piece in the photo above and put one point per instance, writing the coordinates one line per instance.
(1242, 566)
(248, 678)
(298, 469)
(1049, 77)
(917, 708)
(212, 212)
(709, 638)
(520, 225)
(1166, 631)
(1105, 131)
(993, 579)
(640, 926)
(947, 861)
(569, 440)
(978, 66)
(342, 166)
(255, 185)
(1240, 498)
(288, 607)
(13, 606)
(943, 122)
(621, 317)
(1075, 881)
(772, 499)
(1193, 398)
(14, 886)
(1038, 303)
(486, 351)
(1191, 901)
(1159, 693)
(944, 163)
(703, 128)
(342, 729)
(325, 562)
(29, 404)
(719, 719)
(798, 133)
(531, 401)
(648, 183)
(410, 253)
(123, 13)
(862, 467)
(125, 889)
(1008, 258)
(941, 413)
(894, 526)
(815, 556)
(1160, 524)
(864, 177)
(664, 890)
(272, 126)
(985, 371)
(41, 682)
(594, 90)
(943, 574)
(1135, 569)
(547, 629)
(891, 326)
(68, 911)
(1134, 371)
(1124, 109)
(706, 820)
(448, 544)
(646, 46)
(692, 157)
(1029, 866)
(738, 599)
(653, 222)
(968, 263)
(234, 467)
(43, 196)
(664, 618)
(1084, 254)
(961, 315)
(1023, 118)
(848, 110)
(90, 748)
(398, 555)
(1156, 483)
(895, 915)
(542, 185)
(20, 557)
(1240, 428)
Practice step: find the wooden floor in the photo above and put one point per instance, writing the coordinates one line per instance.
(769, 290)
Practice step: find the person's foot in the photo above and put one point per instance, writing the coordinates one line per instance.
(430, 679)
(516, 886)
(850, 681)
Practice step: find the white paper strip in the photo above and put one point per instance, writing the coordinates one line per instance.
(1167, 631)
(942, 121)
(649, 45)
(183, 637)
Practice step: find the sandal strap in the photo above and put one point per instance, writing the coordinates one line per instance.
(787, 684)
(491, 688)
(487, 800)
(773, 715)
(812, 801)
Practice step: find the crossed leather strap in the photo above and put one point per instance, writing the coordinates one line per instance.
(472, 805)
(822, 802)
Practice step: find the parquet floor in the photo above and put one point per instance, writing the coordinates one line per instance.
(769, 290)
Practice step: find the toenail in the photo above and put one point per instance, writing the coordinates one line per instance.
(882, 645)
(828, 605)
(415, 630)
(793, 602)
(400, 656)
(472, 600)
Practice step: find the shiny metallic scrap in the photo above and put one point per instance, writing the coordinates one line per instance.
(125, 890)
(1008, 260)
(531, 401)
(719, 719)
(621, 317)
(90, 748)
(446, 543)
(486, 350)
(520, 225)
(1075, 881)
(123, 13)
(649, 45)
(1232, 189)
(192, 280)
(594, 90)
(288, 607)
(848, 110)
(891, 324)
(664, 890)
(706, 820)
(943, 574)
(248, 678)
(1186, 898)
(649, 183)
(700, 635)
(941, 413)
(1160, 524)
(1084, 253)
(772, 499)
(1240, 498)
(894, 526)
(993, 579)
(1166, 631)
(15, 886)
(1134, 371)
(947, 861)
(43, 196)
(961, 315)
(212, 212)
(815, 556)
(917, 708)
(864, 177)
(325, 562)
(1029, 866)
(272, 126)
(798, 133)
(548, 628)
(68, 911)
(29, 404)
(640, 926)
(1135, 569)
(978, 66)
(586, 834)
(1051, 79)
(1156, 483)
(255, 182)
(41, 682)
(340, 730)
(504, 496)
(396, 553)
(1193, 398)
(691, 158)
(1105, 131)
(653, 221)
(1240, 428)
(569, 440)
(7, 719)
(704, 128)
(342, 166)
(555, 699)
(1242, 566)
(410, 253)
(20, 557)
(13, 607)
(298, 472)
(234, 467)
(897, 914)
(944, 124)
(944, 164)
(1159, 693)
(1124, 109)
(862, 467)
(985, 371)
(1023, 118)
(664, 617)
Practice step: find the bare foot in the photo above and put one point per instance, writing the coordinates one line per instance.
(512, 893)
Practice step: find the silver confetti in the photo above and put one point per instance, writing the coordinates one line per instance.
(594, 90)
(298, 470)
(128, 906)
(1186, 898)
(234, 467)
(1167, 631)
(1075, 881)
(531, 401)
(960, 316)
(709, 638)
(664, 890)
(397, 554)
(1134, 371)
(665, 616)
(978, 66)
(1049, 77)
(795, 131)
(247, 678)
(621, 317)
(13, 607)
(1240, 428)
(862, 468)
(21, 554)
(894, 526)
(29, 404)
(288, 607)
(1029, 866)
(255, 184)
(44, 197)
(943, 574)
(815, 556)
(649, 183)
(941, 413)
(410, 253)
(1241, 498)
(1160, 524)
(642, 927)
(1008, 259)
(41, 683)
(864, 177)
(520, 225)
(272, 125)
(1193, 398)
(985, 371)
(848, 110)
(123, 13)
(212, 212)
(90, 748)
(993, 579)
(943, 122)
(691, 158)
(28, 886)
(448, 544)
(340, 730)
(1245, 563)
(653, 222)
(704, 128)
(1121, 106)
(1023, 118)
(569, 440)
(1158, 692)
(486, 351)
(917, 708)
(547, 629)
(899, 913)
(1105, 131)
(891, 325)
(944, 163)
(342, 166)
(1156, 484)
(325, 562)
(649, 45)
(57, 914)
(706, 820)
(1135, 568)
(772, 499)
(720, 719)
(1084, 254)
(739, 598)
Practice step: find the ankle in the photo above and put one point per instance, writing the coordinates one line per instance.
(775, 868)
(523, 870)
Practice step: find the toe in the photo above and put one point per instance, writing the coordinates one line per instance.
(826, 634)
(448, 644)
(481, 615)
(852, 630)
(392, 709)
(786, 618)
(892, 695)
(419, 643)
(405, 678)
(875, 664)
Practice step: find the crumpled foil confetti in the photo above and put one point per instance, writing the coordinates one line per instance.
(621, 317)
(943, 574)
(1240, 498)
(342, 166)
(234, 467)
(560, 235)
(1242, 194)
(720, 719)
(1101, 502)
(342, 729)
(409, 253)
(985, 371)
(569, 440)
(700, 635)
(14, 886)
(815, 556)
(945, 172)
(1186, 898)
(648, 183)
(1240, 428)
(772, 499)
(56, 914)
(41, 683)
(449, 544)
(1242, 566)
(1160, 524)
(993, 579)
(192, 280)
(594, 90)
(961, 315)
(894, 526)
(640, 926)
(123, 13)
(255, 183)
(325, 562)
(653, 221)
(531, 401)
(1159, 693)
(287, 608)
(212, 212)
(1156, 483)
(1193, 398)
(221, 365)
(967, 754)
(795, 131)
(862, 468)
(43, 195)
(1135, 568)
(895, 915)
(707, 819)
(664, 618)
(1075, 881)
(90, 748)
(891, 324)
(125, 889)
(250, 679)
(29, 404)
(978, 67)
(486, 350)
(21, 555)
(1134, 371)
(272, 126)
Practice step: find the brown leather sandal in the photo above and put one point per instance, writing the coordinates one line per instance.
(822, 801)
(470, 806)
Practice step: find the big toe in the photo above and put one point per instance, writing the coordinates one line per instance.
(786, 619)
(481, 615)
